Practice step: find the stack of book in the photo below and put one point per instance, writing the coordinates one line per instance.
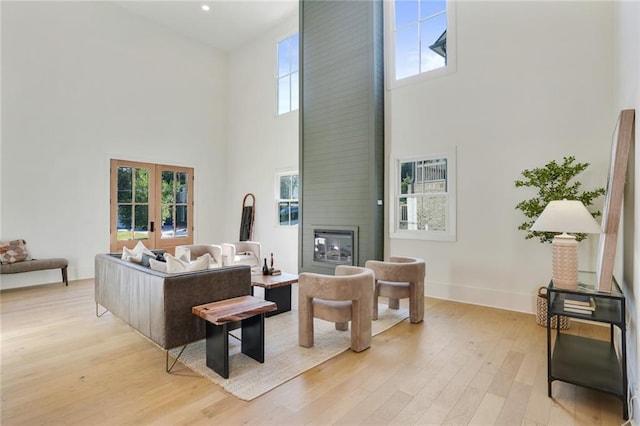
(579, 303)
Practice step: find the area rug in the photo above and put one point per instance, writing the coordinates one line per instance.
(284, 359)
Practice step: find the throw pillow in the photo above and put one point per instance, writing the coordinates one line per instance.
(131, 256)
(175, 265)
(145, 260)
(156, 265)
(14, 251)
(140, 248)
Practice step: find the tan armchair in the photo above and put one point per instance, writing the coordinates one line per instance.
(399, 278)
(341, 298)
(242, 253)
(192, 252)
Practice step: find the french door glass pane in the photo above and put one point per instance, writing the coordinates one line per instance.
(181, 221)
(125, 230)
(142, 185)
(141, 229)
(125, 184)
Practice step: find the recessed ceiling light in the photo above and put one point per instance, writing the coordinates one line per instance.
(206, 7)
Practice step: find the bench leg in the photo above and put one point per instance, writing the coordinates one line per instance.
(64, 276)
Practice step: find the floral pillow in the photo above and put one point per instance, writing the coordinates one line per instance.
(14, 251)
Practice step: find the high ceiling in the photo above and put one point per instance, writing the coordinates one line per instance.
(227, 25)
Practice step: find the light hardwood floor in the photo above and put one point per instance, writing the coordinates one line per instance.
(464, 364)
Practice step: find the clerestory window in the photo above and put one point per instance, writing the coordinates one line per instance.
(421, 36)
(287, 75)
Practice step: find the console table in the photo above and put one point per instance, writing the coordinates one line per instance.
(584, 361)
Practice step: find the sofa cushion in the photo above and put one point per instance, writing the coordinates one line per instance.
(13, 251)
(175, 265)
(158, 265)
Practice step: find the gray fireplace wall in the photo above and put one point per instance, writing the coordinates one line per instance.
(341, 125)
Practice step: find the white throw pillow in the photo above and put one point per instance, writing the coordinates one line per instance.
(131, 256)
(156, 265)
(141, 248)
(135, 254)
(175, 265)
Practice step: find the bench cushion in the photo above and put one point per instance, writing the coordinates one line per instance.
(33, 265)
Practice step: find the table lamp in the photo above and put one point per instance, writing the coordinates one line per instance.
(566, 216)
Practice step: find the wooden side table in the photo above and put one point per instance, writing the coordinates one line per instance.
(250, 312)
(277, 288)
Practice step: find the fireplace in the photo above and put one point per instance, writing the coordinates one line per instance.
(335, 246)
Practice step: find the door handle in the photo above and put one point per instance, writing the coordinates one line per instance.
(152, 228)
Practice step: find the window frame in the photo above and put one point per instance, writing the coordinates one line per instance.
(278, 77)
(279, 200)
(450, 234)
(390, 50)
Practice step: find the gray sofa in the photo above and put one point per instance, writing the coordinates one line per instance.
(157, 304)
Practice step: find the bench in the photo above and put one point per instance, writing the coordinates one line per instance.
(36, 265)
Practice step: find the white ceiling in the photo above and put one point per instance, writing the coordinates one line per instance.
(229, 23)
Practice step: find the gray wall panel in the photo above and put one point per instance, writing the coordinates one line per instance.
(341, 124)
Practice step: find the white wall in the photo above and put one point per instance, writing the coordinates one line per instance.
(261, 144)
(533, 84)
(627, 95)
(83, 82)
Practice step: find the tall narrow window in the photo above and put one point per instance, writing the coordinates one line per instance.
(288, 193)
(425, 204)
(419, 36)
(287, 78)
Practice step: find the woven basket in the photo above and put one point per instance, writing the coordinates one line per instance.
(541, 312)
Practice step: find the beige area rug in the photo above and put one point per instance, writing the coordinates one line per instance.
(284, 359)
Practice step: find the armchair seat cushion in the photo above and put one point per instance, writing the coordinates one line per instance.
(332, 310)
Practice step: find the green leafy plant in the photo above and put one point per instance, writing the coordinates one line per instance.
(554, 182)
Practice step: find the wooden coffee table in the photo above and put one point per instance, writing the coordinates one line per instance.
(277, 288)
(250, 312)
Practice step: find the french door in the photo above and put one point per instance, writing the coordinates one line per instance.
(152, 203)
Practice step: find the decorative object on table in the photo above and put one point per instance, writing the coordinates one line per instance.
(265, 268)
(553, 182)
(566, 216)
(622, 137)
(579, 304)
(271, 263)
(542, 307)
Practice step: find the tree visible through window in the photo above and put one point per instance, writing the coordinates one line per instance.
(288, 74)
(288, 203)
(420, 36)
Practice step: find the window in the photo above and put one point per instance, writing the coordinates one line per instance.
(288, 198)
(150, 202)
(420, 32)
(424, 205)
(287, 79)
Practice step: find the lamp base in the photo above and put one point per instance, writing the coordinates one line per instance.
(565, 262)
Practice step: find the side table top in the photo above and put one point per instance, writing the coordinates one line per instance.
(273, 281)
(231, 310)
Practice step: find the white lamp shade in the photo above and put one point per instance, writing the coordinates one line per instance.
(566, 216)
